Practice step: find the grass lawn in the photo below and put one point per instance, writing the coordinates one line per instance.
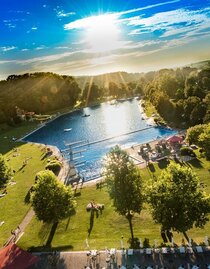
(12, 206)
(6, 135)
(109, 226)
(71, 233)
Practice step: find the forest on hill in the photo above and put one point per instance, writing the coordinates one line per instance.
(103, 80)
(37, 92)
(181, 96)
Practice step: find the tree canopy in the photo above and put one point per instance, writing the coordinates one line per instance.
(124, 184)
(177, 200)
(194, 132)
(200, 135)
(37, 92)
(5, 171)
(50, 199)
(204, 140)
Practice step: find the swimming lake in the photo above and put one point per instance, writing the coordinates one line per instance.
(100, 127)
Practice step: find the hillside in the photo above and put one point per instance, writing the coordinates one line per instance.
(179, 95)
(200, 65)
(104, 79)
(38, 92)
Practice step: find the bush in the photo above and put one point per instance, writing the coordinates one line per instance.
(54, 166)
(5, 171)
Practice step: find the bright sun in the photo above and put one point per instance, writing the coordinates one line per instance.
(102, 33)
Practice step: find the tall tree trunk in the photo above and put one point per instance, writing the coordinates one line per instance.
(129, 217)
(186, 236)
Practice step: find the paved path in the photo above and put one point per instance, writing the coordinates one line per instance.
(102, 259)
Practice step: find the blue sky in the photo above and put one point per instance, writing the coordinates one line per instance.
(86, 37)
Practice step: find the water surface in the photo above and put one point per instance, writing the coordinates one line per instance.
(107, 126)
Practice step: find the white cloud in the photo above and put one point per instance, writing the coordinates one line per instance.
(62, 47)
(86, 23)
(34, 28)
(147, 7)
(7, 48)
(41, 47)
(7, 61)
(47, 58)
(61, 14)
(173, 22)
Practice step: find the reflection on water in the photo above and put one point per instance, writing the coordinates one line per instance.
(105, 121)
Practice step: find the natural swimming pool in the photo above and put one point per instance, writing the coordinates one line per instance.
(106, 126)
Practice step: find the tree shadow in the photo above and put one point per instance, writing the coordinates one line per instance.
(44, 232)
(46, 155)
(196, 163)
(92, 214)
(28, 196)
(49, 248)
(100, 185)
(76, 192)
(21, 168)
(134, 244)
(67, 224)
(151, 167)
(162, 164)
(52, 233)
(146, 243)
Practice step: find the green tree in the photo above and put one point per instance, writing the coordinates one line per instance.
(177, 200)
(51, 200)
(204, 140)
(113, 89)
(5, 171)
(189, 104)
(124, 185)
(168, 84)
(194, 132)
(198, 113)
(91, 93)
